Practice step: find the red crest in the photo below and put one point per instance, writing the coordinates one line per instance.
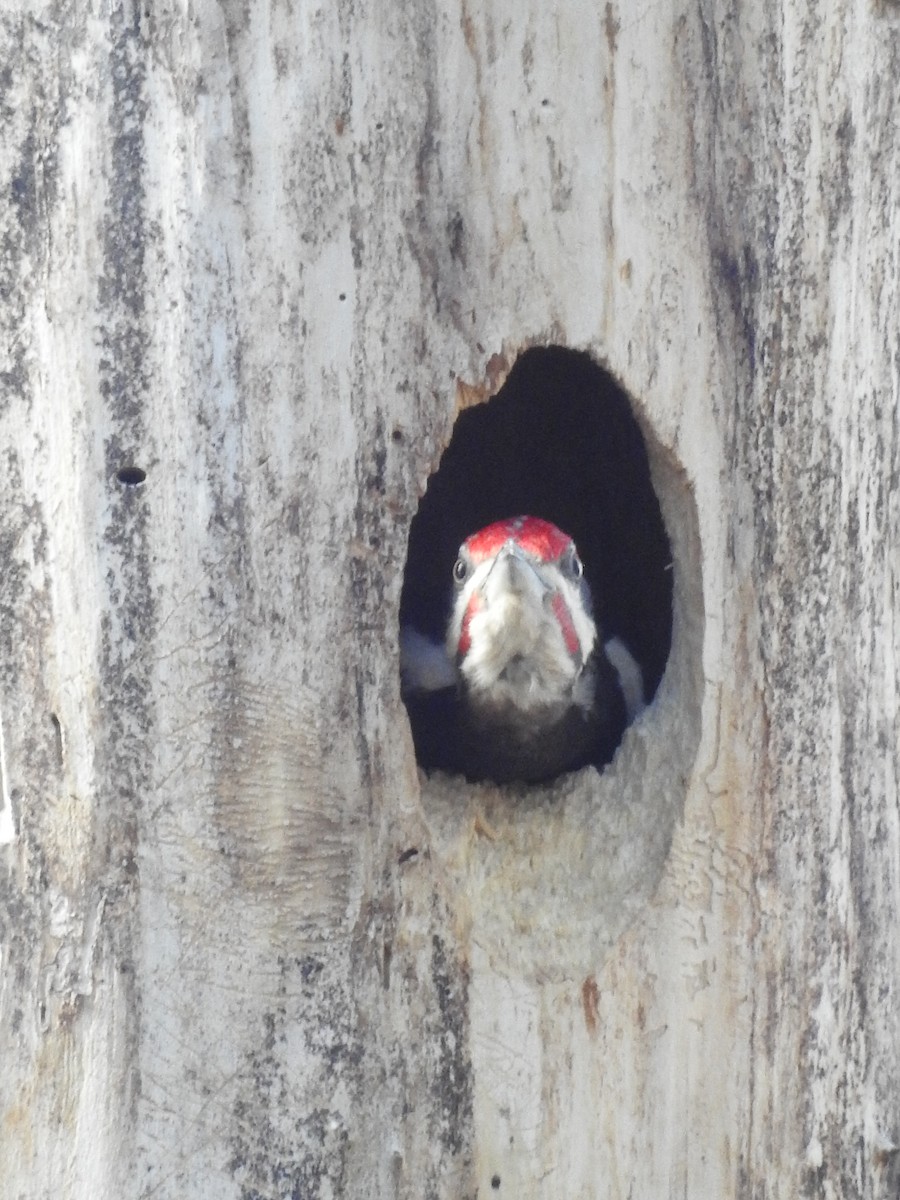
(539, 538)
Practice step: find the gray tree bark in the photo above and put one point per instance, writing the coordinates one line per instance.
(262, 253)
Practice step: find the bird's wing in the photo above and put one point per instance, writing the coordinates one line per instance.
(631, 677)
(424, 664)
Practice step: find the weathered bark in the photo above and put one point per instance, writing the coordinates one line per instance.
(261, 252)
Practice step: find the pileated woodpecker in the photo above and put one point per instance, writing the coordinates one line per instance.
(523, 687)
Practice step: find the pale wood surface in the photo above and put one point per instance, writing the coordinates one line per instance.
(257, 250)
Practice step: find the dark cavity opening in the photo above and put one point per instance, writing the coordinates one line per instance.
(131, 476)
(559, 441)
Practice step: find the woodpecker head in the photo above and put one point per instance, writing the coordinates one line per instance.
(521, 631)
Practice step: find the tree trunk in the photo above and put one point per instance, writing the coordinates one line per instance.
(253, 259)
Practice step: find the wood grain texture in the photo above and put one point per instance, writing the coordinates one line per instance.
(262, 252)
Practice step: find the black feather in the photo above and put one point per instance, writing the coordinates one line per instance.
(450, 736)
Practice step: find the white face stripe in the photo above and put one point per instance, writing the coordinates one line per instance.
(474, 583)
(517, 652)
(581, 618)
(551, 576)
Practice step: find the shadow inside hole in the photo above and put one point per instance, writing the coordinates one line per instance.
(558, 441)
(131, 476)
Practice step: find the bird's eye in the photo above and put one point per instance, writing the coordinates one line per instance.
(460, 570)
(576, 566)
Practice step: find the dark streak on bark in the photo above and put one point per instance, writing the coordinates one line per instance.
(758, 131)
(285, 1141)
(453, 1083)
(128, 622)
(26, 613)
(24, 239)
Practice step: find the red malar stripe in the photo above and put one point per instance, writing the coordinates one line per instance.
(465, 637)
(562, 614)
